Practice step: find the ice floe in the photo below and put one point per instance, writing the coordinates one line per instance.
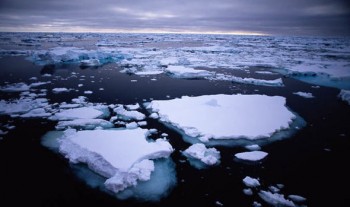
(60, 90)
(208, 156)
(77, 113)
(251, 182)
(85, 123)
(16, 87)
(251, 156)
(345, 95)
(185, 72)
(128, 115)
(250, 117)
(304, 94)
(124, 157)
(275, 199)
(275, 82)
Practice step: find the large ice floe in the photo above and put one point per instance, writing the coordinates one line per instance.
(227, 117)
(124, 157)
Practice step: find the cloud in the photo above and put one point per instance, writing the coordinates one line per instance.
(298, 17)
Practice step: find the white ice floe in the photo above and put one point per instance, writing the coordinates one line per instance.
(36, 113)
(225, 116)
(148, 72)
(60, 90)
(209, 156)
(128, 115)
(90, 63)
(75, 55)
(297, 198)
(16, 87)
(124, 157)
(265, 72)
(275, 82)
(304, 94)
(248, 191)
(275, 199)
(251, 156)
(88, 92)
(77, 113)
(253, 147)
(84, 124)
(154, 116)
(24, 105)
(131, 125)
(184, 72)
(132, 106)
(37, 84)
(345, 95)
(251, 182)
(68, 106)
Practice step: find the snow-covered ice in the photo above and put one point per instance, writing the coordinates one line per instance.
(124, 157)
(128, 115)
(208, 156)
(84, 124)
(16, 87)
(275, 82)
(304, 94)
(251, 156)
(248, 191)
(345, 95)
(60, 90)
(185, 72)
(275, 199)
(251, 182)
(253, 147)
(77, 113)
(225, 116)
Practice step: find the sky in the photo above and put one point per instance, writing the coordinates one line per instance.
(269, 17)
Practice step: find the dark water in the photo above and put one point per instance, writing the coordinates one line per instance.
(313, 163)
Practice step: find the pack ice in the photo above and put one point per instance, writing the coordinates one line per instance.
(213, 117)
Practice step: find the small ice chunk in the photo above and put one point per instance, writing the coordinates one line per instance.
(60, 90)
(275, 199)
(251, 156)
(88, 92)
(209, 156)
(80, 85)
(248, 191)
(253, 147)
(297, 198)
(218, 203)
(128, 115)
(256, 204)
(251, 182)
(84, 124)
(154, 116)
(142, 123)
(39, 84)
(345, 95)
(16, 87)
(3, 132)
(131, 125)
(164, 135)
(90, 63)
(132, 106)
(304, 94)
(274, 189)
(133, 81)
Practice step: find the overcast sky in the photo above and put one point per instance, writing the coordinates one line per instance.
(275, 17)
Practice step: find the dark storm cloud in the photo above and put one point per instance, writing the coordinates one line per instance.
(297, 17)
